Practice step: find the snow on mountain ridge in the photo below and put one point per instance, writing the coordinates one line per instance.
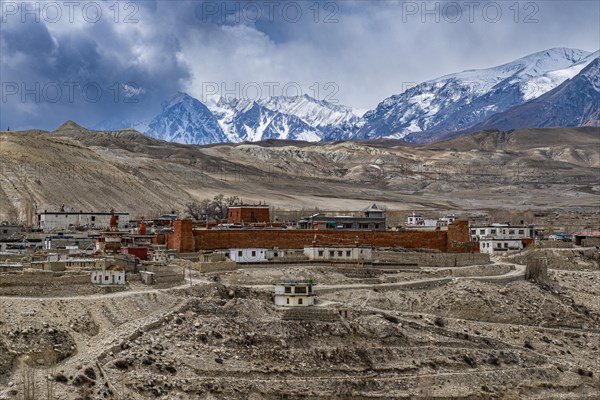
(456, 101)
(185, 119)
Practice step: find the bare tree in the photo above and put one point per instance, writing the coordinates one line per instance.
(200, 210)
(219, 206)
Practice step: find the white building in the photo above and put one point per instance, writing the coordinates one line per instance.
(248, 255)
(54, 220)
(447, 220)
(108, 277)
(500, 246)
(502, 231)
(414, 219)
(419, 220)
(295, 293)
(338, 252)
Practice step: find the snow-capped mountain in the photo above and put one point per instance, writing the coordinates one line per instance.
(244, 120)
(185, 119)
(335, 121)
(436, 109)
(298, 117)
(457, 101)
(575, 102)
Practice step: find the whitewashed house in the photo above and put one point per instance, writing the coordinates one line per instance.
(414, 219)
(334, 253)
(248, 255)
(500, 246)
(502, 231)
(55, 220)
(108, 277)
(294, 293)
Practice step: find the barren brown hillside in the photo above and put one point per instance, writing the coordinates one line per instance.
(132, 172)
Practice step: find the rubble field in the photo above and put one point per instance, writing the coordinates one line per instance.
(223, 338)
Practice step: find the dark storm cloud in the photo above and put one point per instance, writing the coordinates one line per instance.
(369, 50)
(85, 71)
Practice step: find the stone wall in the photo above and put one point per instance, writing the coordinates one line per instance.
(432, 259)
(455, 240)
(297, 239)
(217, 266)
(591, 242)
(43, 279)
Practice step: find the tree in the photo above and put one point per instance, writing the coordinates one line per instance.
(222, 204)
(218, 207)
(200, 210)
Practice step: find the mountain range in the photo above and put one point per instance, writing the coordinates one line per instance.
(527, 92)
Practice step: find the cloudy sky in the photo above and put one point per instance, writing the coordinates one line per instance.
(117, 61)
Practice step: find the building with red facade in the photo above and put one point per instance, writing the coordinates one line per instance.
(248, 214)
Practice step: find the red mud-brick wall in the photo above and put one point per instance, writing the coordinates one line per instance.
(182, 238)
(248, 215)
(297, 239)
(459, 238)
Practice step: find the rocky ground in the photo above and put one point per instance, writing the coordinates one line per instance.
(223, 338)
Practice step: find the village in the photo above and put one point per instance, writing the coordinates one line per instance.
(156, 277)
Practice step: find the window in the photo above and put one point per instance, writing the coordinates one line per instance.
(521, 232)
(505, 245)
(363, 226)
(331, 253)
(93, 218)
(276, 254)
(498, 245)
(473, 231)
(492, 231)
(511, 231)
(348, 253)
(299, 301)
(300, 289)
(106, 277)
(376, 226)
(287, 301)
(239, 253)
(288, 289)
(320, 253)
(482, 231)
(253, 253)
(5, 231)
(340, 253)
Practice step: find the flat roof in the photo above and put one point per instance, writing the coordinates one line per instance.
(80, 213)
(250, 206)
(503, 226)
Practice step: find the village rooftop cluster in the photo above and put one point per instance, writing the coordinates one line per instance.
(111, 250)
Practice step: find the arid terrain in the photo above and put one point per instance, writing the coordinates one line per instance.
(485, 333)
(95, 170)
